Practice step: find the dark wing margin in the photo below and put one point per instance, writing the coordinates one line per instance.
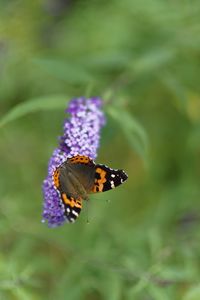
(107, 178)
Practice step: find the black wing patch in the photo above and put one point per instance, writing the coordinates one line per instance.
(107, 178)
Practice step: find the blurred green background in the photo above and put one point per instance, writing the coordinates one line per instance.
(143, 58)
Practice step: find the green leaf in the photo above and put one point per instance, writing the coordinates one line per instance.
(157, 293)
(70, 72)
(132, 129)
(177, 89)
(137, 288)
(111, 286)
(193, 293)
(37, 104)
(153, 60)
(23, 294)
(107, 60)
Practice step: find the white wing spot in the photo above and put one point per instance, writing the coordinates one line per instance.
(74, 213)
(113, 175)
(112, 184)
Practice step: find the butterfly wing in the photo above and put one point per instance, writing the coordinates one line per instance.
(72, 207)
(83, 168)
(107, 178)
(74, 179)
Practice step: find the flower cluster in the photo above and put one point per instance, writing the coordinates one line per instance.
(81, 136)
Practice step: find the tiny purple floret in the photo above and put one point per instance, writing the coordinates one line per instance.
(81, 136)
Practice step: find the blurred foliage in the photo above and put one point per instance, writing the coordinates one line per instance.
(142, 58)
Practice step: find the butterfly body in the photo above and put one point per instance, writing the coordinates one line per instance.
(79, 176)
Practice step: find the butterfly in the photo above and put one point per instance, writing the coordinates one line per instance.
(79, 176)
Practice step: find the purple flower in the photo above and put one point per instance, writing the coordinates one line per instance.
(81, 136)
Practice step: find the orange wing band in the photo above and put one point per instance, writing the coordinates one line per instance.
(71, 201)
(56, 178)
(98, 184)
(80, 159)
